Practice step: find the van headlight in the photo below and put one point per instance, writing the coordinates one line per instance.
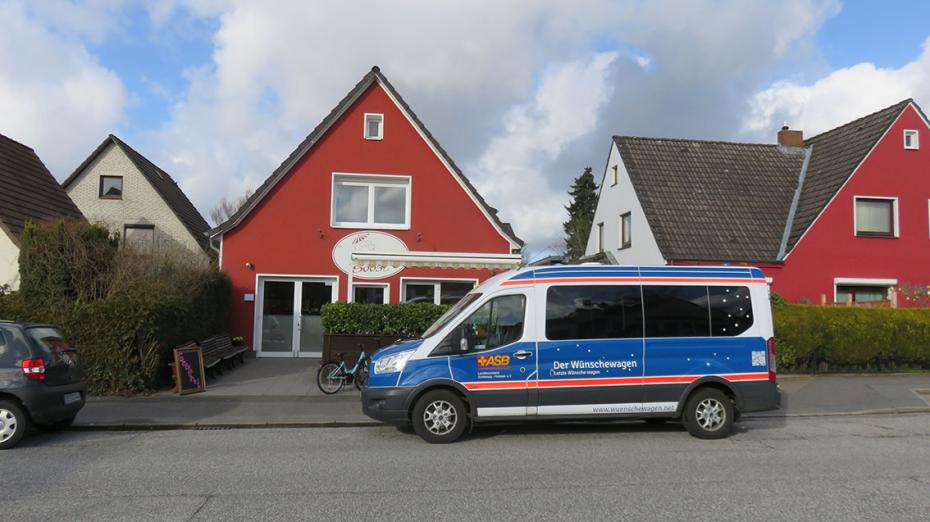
(393, 363)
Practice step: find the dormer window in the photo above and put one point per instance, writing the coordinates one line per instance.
(374, 126)
(911, 140)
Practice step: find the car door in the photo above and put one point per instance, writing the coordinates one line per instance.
(492, 353)
(591, 351)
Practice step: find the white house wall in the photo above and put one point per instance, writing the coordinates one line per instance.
(614, 201)
(9, 262)
(141, 204)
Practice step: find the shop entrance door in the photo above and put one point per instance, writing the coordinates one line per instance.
(289, 323)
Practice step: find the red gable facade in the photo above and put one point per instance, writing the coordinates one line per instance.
(370, 209)
(887, 255)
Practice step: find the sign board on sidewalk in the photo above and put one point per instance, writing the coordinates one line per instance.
(189, 371)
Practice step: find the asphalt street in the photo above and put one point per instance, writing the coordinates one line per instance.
(815, 468)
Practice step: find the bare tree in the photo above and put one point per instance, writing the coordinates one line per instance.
(227, 207)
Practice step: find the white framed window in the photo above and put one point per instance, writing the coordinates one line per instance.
(911, 139)
(599, 238)
(625, 230)
(371, 293)
(875, 216)
(862, 290)
(374, 126)
(371, 201)
(436, 291)
(616, 176)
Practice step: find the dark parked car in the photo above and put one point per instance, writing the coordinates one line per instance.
(40, 381)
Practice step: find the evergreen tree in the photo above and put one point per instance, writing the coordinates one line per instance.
(580, 214)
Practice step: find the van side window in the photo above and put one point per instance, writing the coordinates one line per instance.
(593, 312)
(497, 323)
(730, 310)
(676, 311)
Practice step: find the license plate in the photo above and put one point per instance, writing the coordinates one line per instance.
(71, 398)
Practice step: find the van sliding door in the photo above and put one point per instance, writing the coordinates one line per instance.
(591, 351)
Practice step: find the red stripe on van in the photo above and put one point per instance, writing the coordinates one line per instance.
(616, 381)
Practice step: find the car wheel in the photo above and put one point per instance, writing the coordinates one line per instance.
(709, 414)
(13, 424)
(53, 427)
(439, 417)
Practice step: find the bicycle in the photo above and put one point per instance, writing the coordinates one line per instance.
(332, 376)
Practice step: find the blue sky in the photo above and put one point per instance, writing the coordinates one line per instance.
(218, 92)
(888, 34)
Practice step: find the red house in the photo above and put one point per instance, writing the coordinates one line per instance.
(841, 217)
(369, 208)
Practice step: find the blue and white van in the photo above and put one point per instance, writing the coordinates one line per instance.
(587, 342)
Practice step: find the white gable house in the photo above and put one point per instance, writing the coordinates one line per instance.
(119, 187)
(620, 227)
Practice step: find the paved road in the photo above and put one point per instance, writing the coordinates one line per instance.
(823, 468)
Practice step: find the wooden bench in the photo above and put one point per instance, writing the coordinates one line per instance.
(222, 349)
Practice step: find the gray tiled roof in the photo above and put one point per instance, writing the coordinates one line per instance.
(372, 76)
(166, 187)
(28, 191)
(713, 200)
(724, 201)
(835, 156)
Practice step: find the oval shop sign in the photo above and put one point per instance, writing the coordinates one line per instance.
(372, 243)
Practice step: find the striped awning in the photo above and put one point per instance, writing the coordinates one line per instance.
(437, 260)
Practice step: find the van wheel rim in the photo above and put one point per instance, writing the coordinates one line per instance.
(710, 414)
(440, 417)
(7, 425)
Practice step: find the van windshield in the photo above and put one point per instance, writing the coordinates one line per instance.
(451, 314)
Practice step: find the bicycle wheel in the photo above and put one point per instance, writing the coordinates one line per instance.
(330, 378)
(361, 377)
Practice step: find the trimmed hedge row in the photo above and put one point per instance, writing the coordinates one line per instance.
(403, 320)
(823, 338)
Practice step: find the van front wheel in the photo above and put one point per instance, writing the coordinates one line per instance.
(439, 417)
(709, 414)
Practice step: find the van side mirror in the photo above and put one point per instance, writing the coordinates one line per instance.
(463, 344)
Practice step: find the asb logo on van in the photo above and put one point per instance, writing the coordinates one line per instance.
(493, 360)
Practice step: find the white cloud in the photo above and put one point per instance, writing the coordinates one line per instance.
(514, 91)
(565, 109)
(492, 80)
(839, 97)
(54, 96)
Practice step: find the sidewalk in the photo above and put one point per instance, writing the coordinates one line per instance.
(282, 393)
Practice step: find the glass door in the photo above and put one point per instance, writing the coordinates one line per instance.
(289, 323)
(313, 295)
(277, 319)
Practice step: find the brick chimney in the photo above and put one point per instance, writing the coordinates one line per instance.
(790, 138)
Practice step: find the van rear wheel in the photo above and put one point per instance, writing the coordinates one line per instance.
(709, 414)
(439, 417)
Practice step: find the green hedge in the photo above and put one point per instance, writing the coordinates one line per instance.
(122, 309)
(404, 320)
(822, 338)
(125, 339)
